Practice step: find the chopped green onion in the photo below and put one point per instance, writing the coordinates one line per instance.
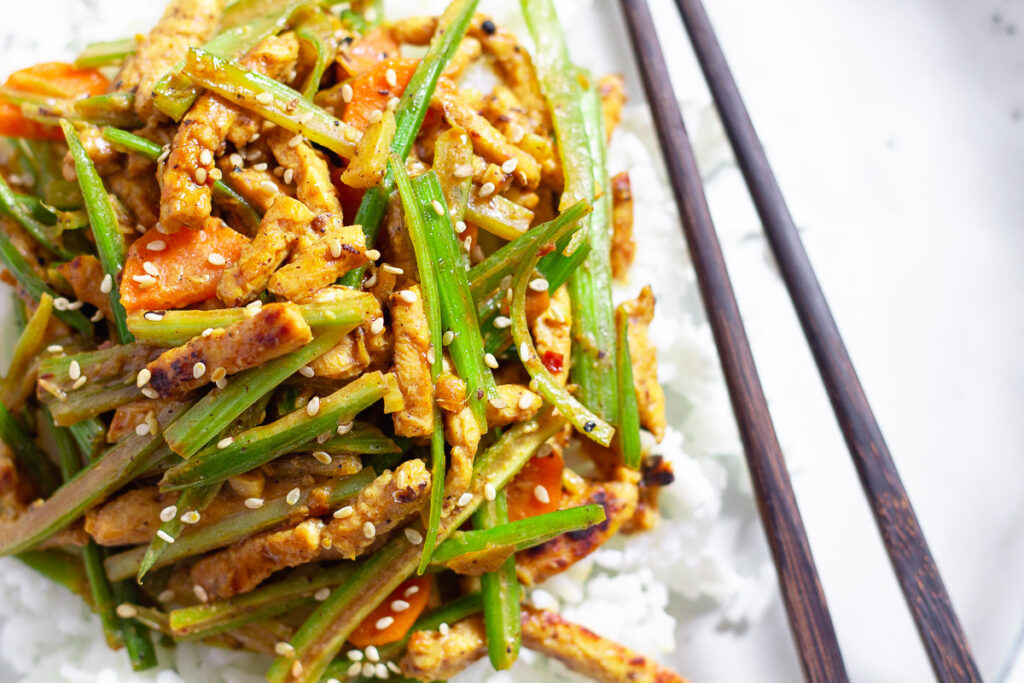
(17, 437)
(500, 590)
(40, 232)
(629, 414)
(20, 379)
(105, 53)
(195, 498)
(34, 285)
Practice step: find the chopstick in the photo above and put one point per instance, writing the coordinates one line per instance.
(809, 620)
(915, 568)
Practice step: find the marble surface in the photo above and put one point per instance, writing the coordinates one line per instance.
(896, 131)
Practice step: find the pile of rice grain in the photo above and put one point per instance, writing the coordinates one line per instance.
(627, 590)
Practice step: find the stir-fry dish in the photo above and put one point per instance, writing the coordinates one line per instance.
(318, 356)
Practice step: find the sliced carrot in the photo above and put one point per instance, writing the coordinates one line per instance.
(184, 271)
(51, 79)
(544, 471)
(411, 597)
(363, 54)
(371, 90)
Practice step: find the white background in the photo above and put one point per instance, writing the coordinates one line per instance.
(896, 128)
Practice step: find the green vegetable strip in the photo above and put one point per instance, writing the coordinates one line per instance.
(174, 94)
(249, 215)
(90, 436)
(135, 631)
(521, 534)
(102, 596)
(590, 288)
(500, 591)
(195, 498)
(458, 312)
(32, 459)
(499, 216)
(448, 613)
(629, 414)
(217, 409)
(320, 638)
(579, 415)
(105, 53)
(229, 529)
(318, 31)
(202, 621)
(99, 479)
(416, 224)
(262, 444)
(34, 285)
(40, 232)
(91, 400)
(363, 439)
(50, 185)
(288, 108)
(409, 116)
(97, 365)
(109, 240)
(177, 327)
(18, 383)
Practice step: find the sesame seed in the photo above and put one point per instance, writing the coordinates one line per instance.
(305, 118)
(377, 326)
(391, 77)
(384, 623)
(54, 348)
(225, 442)
(463, 171)
(216, 259)
(448, 337)
(344, 429)
(168, 513)
(295, 141)
(126, 610)
(490, 361)
(431, 356)
(153, 316)
(436, 206)
(142, 429)
(343, 513)
(61, 303)
(346, 93)
(525, 401)
(288, 175)
(296, 669)
(199, 369)
(206, 157)
(460, 227)
(465, 499)
(165, 596)
(218, 374)
(322, 594)
(293, 496)
(80, 382)
(306, 371)
(150, 268)
(207, 332)
(201, 176)
(144, 281)
(262, 166)
(524, 352)
(468, 243)
(254, 306)
(372, 254)
(393, 103)
(322, 457)
(97, 316)
(75, 305)
(372, 654)
(268, 186)
(413, 536)
(254, 503)
(150, 392)
(336, 248)
(489, 492)
(164, 536)
(408, 296)
(236, 160)
(367, 669)
(394, 667)
(541, 494)
(74, 370)
(369, 530)
(443, 629)
(323, 438)
(487, 189)
(539, 284)
(375, 116)
(264, 98)
(216, 174)
(156, 245)
(354, 670)
(313, 407)
(355, 655)
(190, 517)
(221, 383)
(284, 649)
(498, 403)
(509, 165)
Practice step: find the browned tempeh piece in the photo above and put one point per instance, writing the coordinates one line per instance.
(612, 89)
(276, 329)
(278, 231)
(516, 65)
(312, 176)
(259, 188)
(587, 653)
(103, 154)
(248, 562)
(141, 194)
(552, 334)
(131, 415)
(649, 394)
(623, 244)
(618, 498)
(335, 249)
(85, 273)
(411, 364)
(185, 23)
(183, 200)
(432, 655)
(132, 517)
(462, 431)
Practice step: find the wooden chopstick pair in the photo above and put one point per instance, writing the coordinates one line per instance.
(806, 608)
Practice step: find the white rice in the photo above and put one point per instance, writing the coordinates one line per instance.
(628, 590)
